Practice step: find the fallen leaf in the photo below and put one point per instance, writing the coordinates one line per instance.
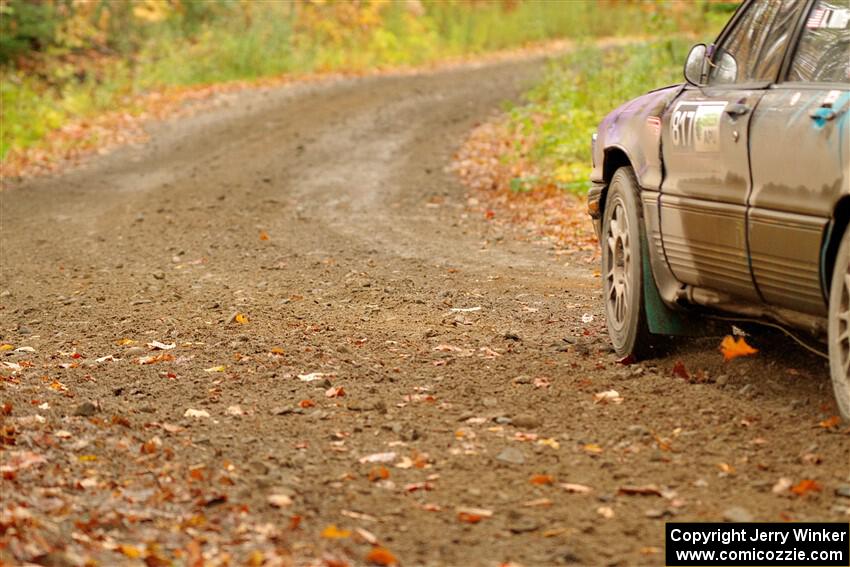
(264, 235)
(378, 458)
(278, 351)
(335, 392)
(608, 397)
(234, 411)
(306, 404)
(6, 346)
(279, 500)
(311, 377)
(156, 345)
(381, 556)
(130, 551)
(542, 382)
(830, 422)
(680, 371)
(155, 358)
(726, 468)
(806, 486)
(125, 342)
(733, 348)
(221, 368)
(575, 488)
(592, 448)
(473, 515)
(19, 460)
(333, 532)
(241, 318)
(606, 512)
(379, 473)
(195, 413)
(781, 486)
(367, 536)
(645, 490)
(541, 479)
(540, 502)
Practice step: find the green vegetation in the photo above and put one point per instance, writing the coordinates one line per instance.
(551, 132)
(64, 60)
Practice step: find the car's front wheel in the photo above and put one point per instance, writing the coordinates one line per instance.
(839, 327)
(622, 267)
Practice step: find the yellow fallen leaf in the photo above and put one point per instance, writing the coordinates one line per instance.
(241, 318)
(549, 442)
(215, 369)
(732, 348)
(333, 532)
(277, 350)
(592, 448)
(6, 347)
(726, 468)
(87, 458)
(125, 342)
(130, 551)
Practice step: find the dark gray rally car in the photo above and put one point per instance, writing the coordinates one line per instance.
(731, 193)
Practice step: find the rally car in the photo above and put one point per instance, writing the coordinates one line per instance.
(730, 193)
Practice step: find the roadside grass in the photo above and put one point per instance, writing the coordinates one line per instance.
(551, 132)
(63, 87)
(529, 166)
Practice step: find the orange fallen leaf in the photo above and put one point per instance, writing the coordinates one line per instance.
(264, 235)
(381, 556)
(680, 371)
(241, 318)
(379, 473)
(540, 479)
(830, 422)
(333, 532)
(278, 351)
(806, 486)
(732, 348)
(335, 392)
(294, 522)
(592, 448)
(473, 515)
(306, 404)
(469, 518)
(726, 468)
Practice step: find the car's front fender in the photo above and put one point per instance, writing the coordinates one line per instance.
(632, 133)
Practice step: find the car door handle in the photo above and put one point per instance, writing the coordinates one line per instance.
(737, 109)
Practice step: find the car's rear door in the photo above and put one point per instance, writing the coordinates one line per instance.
(800, 154)
(705, 137)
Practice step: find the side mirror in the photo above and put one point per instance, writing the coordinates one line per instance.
(725, 70)
(695, 64)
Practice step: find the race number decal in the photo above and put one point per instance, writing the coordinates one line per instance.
(696, 126)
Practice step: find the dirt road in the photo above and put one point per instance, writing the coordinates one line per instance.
(331, 299)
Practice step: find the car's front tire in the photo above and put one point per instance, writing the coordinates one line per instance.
(622, 267)
(839, 327)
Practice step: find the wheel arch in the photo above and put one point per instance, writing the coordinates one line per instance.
(832, 240)
(614, 158)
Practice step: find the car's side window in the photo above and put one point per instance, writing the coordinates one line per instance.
(753, 51)
(823, 54)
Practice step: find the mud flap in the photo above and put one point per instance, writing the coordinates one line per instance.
(662, 320)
